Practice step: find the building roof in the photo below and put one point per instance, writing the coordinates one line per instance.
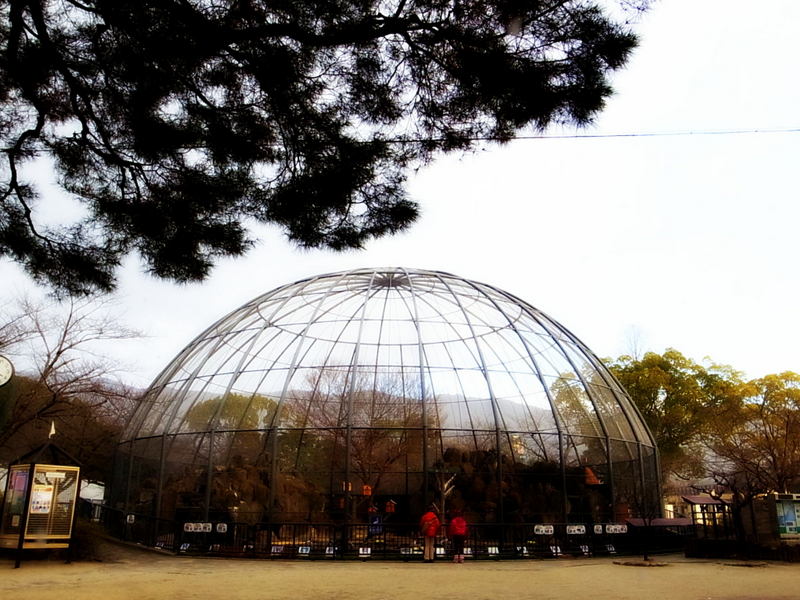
(705, 499)
(675, 522)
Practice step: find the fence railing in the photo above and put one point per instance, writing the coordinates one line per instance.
(388, 541)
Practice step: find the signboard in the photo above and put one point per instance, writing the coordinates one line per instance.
(576, 529)
(222, 528)
(39, 506)
(616, 528)
(41, 499)
(543, 529)
(787, 507)
(375, 525)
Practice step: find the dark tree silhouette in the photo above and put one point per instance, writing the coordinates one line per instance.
(176, 124)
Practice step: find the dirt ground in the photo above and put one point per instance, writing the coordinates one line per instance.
(131, 573)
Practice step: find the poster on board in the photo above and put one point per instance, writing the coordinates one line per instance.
(41, 499)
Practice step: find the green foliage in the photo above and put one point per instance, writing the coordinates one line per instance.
(678, 399)
(175, 123)
(231, 412)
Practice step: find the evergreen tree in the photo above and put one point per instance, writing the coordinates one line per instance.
(176, 123)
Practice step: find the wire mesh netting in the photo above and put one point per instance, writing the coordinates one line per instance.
(366, 395)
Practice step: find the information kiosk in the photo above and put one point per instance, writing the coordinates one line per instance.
(38, 508)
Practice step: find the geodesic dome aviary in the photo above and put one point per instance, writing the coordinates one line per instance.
(379, 391)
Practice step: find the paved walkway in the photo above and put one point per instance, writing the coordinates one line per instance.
(126, 573)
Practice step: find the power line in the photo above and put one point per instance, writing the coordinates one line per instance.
(655, 134)
(603, 135)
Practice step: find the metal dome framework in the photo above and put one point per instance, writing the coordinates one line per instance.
(326, 400)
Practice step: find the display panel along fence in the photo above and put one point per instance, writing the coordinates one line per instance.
(388, 541)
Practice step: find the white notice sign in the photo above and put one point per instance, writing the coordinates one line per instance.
(41, 499)
(576, 529)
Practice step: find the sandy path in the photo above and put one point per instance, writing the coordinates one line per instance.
(147, 576)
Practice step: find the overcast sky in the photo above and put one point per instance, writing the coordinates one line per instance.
(654, 241)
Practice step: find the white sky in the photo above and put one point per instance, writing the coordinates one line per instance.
(685, 241)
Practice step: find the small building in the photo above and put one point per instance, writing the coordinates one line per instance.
(38, 508)
(711, 516)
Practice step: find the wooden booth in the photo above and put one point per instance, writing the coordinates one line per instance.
(38, 509)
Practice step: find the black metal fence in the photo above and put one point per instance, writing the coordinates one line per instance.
(387, 541)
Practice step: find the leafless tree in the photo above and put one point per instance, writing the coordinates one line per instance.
(374, 415)
(65, 378)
